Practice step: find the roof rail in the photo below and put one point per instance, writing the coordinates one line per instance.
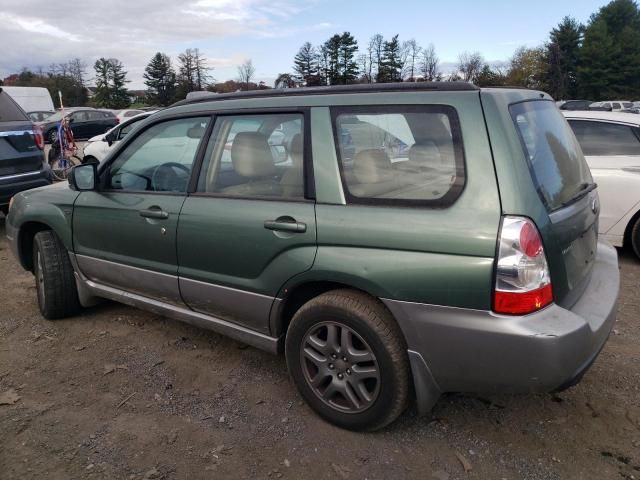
(331, 90)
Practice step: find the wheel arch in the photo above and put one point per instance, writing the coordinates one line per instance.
(26, 234)
(295, 294)
(626, 239)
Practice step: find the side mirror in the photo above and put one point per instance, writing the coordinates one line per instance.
(109, 138)
(83, 177)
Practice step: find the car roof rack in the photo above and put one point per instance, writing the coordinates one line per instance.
(334, 89)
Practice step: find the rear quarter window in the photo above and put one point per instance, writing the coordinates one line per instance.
(555, 160)
(400, 154)
(9, 110)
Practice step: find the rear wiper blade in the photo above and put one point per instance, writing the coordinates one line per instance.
(583, 189)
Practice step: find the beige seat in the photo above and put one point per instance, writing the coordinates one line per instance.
(373, 175)
(252, 159)
(292, 180)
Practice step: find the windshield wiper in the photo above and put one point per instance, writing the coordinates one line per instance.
(583, 189)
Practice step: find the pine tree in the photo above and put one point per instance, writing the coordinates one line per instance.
(102, 97)
(610, 55)
(305, 65)
(331, 52)
(160, 78)
(347, 64)
(390, 69)
(562, 54)
(111, 80)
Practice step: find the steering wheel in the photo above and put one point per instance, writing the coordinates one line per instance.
(165, 178)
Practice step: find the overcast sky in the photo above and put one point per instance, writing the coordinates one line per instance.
(36, 33)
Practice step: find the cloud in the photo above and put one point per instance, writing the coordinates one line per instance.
(133, 30)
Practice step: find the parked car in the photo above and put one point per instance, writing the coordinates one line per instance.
(611, 145)
(614, 105)
(457, 250)
(22, 163)
(99, 146)
(575, 105)
(85, 123)
(31, 99)
(125, 114)
(39, 116)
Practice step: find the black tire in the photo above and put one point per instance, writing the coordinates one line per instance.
(374, 325)
(55, 281)
(635, 238)
(52, 135)
(90, 159)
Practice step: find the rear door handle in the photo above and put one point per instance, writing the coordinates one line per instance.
(285, 224)
(154, 212)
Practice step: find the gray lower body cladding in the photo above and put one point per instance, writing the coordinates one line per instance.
(458, 350)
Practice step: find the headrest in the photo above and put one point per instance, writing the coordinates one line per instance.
(296, 149)
(251, 155)
(372, 166)
(425, 154)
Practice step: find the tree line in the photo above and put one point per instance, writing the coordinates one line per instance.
(599, 60)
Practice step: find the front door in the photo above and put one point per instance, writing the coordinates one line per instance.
(125, 233)
(249, 227)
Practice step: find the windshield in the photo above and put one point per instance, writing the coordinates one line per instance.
(627, 104)
(555, 159)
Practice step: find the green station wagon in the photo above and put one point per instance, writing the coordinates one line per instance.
(395, 241)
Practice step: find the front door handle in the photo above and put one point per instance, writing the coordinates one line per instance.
(285, 224)
(154, 212)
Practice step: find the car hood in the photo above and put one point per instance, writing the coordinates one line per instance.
(97, 138)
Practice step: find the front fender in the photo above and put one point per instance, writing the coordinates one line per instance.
(45, 208)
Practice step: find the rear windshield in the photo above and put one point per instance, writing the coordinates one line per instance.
(555, 159)
(9, 110)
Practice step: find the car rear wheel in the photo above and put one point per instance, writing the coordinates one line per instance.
(55, 282)
(348, 358)
(52, 135)
(635, 238)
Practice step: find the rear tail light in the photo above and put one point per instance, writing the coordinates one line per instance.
(117, 121)
(523, 283)
(38, 137)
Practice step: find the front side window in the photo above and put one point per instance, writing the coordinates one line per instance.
(400, 154)
(160, 158)
(603, 139)
(255, 156)
(555, 160)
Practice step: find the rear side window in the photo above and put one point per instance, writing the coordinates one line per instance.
(600, 138)
(9, 110)
(400, 155)
(556, 162)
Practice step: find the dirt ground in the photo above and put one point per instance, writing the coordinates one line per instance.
(117, 393)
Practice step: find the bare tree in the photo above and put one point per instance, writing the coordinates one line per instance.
(429, 64)
(285, 80)
(200, 70)
(375, 49)
(411, 52)
(470, 65)
(77, 70)
(246, 71)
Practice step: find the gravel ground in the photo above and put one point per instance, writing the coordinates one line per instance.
(120, 393)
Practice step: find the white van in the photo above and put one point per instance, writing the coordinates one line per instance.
(31, 99)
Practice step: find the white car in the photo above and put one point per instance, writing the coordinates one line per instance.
(97, 147)
(611, 144)
(126, 114)
(615, 105)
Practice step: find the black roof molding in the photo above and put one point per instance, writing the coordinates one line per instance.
(335, 89)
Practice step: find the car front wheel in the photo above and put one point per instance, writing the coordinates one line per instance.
(348, 358)
(635, 238)
(55, 282)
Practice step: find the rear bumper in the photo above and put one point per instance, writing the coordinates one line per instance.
(479, 351)
(12, 184)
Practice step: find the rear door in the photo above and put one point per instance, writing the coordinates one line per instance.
(566, 187)
(18, 150)
(80, 124)
(612, 151)
(249, 226)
